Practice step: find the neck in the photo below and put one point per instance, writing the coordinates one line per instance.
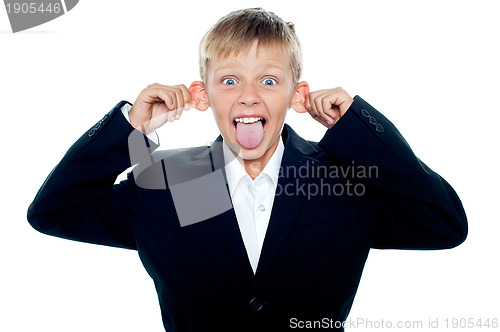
(255, 166)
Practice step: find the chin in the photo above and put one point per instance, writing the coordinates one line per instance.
(252, 154)
(255, 153)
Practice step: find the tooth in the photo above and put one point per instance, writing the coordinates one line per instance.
(248, 120)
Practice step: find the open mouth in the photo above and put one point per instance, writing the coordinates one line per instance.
(249, 130)
(249, 120)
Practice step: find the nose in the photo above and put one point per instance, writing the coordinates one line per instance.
(248, 96)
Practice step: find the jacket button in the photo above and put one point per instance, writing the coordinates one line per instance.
(372, 120)
(255, 304)
(365, 113)
(379, 128)
(91, 132)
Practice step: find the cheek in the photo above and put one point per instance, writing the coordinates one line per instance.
(280, 104)
(220, 99)
(223, 104)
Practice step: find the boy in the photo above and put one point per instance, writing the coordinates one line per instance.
(262, 230)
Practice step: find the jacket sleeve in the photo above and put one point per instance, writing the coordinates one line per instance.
(419, 209)
(79, 200)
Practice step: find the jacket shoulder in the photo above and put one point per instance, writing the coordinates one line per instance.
(169, 166)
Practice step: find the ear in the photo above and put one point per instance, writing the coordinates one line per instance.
(299, 97)
(199, 95)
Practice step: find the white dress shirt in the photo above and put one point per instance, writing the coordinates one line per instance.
(252, 199)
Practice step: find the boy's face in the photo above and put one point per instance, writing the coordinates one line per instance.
(249, 86)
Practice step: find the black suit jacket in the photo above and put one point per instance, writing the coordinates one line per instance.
(318, 237)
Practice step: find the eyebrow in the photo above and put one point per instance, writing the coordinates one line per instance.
(269, 66)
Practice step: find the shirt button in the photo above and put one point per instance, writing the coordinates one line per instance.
(262, 207)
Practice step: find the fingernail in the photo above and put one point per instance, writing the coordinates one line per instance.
(186, 107)
(172, 106)
(177, 116)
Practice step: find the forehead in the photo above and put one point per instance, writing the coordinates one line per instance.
(264, 56)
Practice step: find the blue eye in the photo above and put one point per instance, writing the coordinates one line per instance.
(269, 81)
(229, 81)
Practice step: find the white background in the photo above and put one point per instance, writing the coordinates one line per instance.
(432, 67)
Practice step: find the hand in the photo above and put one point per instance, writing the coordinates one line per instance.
(158, 104)
(328, 106)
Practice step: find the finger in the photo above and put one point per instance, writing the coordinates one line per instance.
(184, 94)
(167, 97)
(158, 94)
(188, 99)
(328, 107)
(323, 122)
(307, 106)
(311, 106)
(159, 116)
(149, 96)
(172, 106)
(161, 111)
(179, 103)
(347, 101)
(317, 105)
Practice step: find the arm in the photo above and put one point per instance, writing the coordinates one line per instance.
(419, 209)
(79, 200)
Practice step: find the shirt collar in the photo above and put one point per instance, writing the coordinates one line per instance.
(235, 171)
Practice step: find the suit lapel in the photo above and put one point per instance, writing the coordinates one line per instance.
(226, 223)
(287, 204)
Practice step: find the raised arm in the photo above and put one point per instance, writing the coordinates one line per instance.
(79, 200)
(419, 209)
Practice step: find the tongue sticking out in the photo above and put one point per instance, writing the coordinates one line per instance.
(249, 135)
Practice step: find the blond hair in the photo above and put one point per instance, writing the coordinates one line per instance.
(236, 32)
